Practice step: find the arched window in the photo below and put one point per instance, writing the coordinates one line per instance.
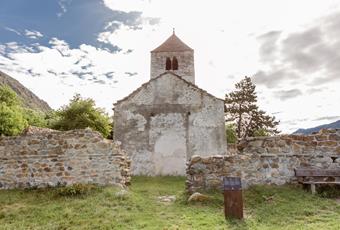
(168, 64)
(174, 63)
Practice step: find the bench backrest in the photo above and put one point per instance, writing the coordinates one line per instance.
(317, 172)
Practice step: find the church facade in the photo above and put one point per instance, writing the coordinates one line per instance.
(169, 119)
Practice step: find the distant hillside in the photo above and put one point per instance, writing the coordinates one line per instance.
(334, 125)
(30, 100)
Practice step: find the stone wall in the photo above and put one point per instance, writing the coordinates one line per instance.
(267, 160)
(166, 121)
(50, 158)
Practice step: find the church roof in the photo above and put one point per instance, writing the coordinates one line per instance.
(161, 75)
(172, 44)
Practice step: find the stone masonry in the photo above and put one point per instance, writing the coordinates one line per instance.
(168, 119)
(185, 60)
(266, 160)
(51, 158)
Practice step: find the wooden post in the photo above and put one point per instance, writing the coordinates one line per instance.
(312, 188)
(233, 202)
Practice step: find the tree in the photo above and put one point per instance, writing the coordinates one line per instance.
(12, 121)
(81, 113)
(241, 110)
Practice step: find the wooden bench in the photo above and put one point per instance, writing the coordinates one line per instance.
(312, 177)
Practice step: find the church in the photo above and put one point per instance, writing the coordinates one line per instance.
(169, 119)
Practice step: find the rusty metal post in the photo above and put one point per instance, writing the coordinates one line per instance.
(233, 202)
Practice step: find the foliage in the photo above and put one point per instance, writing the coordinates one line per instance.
(261, 133)
(241, 110)
(12, 121)
(266, 207)
(35, 118)
(81, 113)
(76, 190)
(231, 133)
(51, 119)
(329, 191)
(8, 96)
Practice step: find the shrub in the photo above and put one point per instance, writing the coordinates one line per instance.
(76, 190)
(35, 118)
(231, 134)
(81, 113)
(329, 191)
(12, 121)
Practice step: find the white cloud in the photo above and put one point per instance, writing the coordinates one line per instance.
(33, 34)
(13, 30)
(60, 72)
(63, 8)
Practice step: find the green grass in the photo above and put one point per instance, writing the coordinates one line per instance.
(266, 207)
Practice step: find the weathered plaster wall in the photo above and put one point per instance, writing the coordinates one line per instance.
(167, 121)
(185, 59)
(268, 160)
(51, 158)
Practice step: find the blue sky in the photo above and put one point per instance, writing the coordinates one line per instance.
(100, 49)
(75, 21)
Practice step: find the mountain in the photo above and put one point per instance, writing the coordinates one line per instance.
(334, 125)
(29, 99)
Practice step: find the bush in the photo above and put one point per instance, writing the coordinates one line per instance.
(81, 113)
(12, 121)
(329, 191)
(76, 190)
(35, 118)
(8, 96)
(231, 134)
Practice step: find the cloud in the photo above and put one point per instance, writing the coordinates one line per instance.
(268, 49)
(131, 74)
(315, 90)
(13, 30)
(274, 78)
(327, 118)
(33, 34)
(287, 94)
(63, 7)
(100, 82)
(311, 54)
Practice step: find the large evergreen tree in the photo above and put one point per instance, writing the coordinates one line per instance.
(242, 111)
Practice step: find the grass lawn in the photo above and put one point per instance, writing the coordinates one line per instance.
(266, 207)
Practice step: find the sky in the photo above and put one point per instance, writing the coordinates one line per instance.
(101, 49)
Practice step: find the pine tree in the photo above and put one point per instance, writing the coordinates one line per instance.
(241, 109)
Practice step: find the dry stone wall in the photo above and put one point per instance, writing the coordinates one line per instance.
(51, 158)
(267, 160)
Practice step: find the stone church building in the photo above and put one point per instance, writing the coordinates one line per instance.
(169, 119)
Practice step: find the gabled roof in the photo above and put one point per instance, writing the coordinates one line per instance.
(153, 79)
(172, 44)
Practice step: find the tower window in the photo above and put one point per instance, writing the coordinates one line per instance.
(168, 64)
(174, 63)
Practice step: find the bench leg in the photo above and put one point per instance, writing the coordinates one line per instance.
(312, 188)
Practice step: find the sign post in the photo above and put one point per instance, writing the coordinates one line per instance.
(233, 202)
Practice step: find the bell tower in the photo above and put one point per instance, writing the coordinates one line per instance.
(175, 56)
